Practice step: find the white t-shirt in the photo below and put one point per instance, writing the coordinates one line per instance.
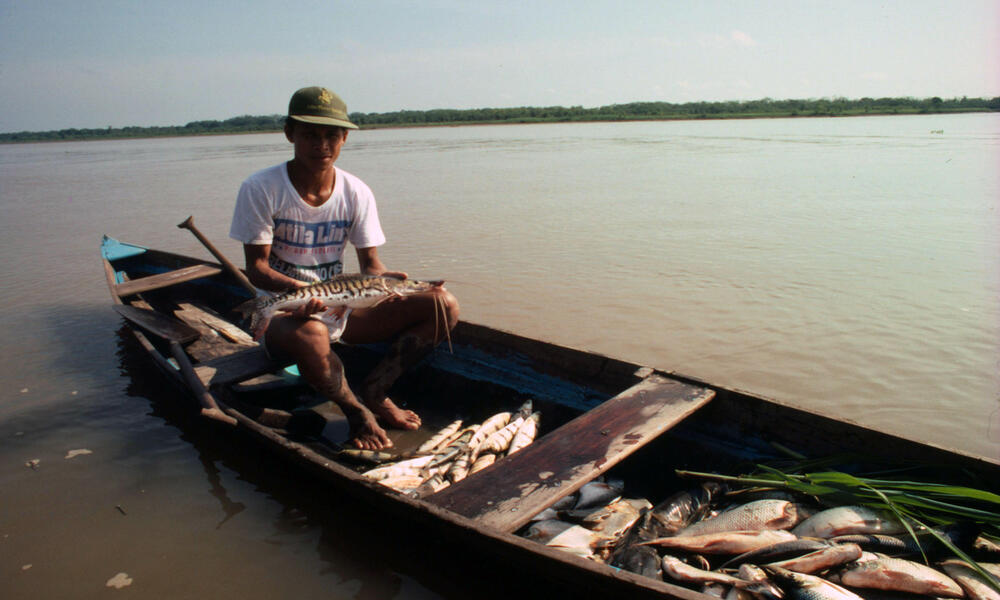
(307, 242)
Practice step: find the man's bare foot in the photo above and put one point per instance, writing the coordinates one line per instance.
(394, 416)
(365, 432)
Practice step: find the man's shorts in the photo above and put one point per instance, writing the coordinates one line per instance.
(336, 325)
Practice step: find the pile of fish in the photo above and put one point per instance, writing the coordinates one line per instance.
(768, 547)
(456, 452)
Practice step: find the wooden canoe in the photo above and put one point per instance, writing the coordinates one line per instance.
(599, 414)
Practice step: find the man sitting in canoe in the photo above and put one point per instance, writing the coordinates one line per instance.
(294, 220)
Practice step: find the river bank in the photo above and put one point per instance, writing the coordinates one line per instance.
(639, 111)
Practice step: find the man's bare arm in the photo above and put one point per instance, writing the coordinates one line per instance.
(370, 264)
(261, 274)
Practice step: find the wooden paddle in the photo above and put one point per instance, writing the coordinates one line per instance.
(209, 407)
(158, 324)
(230, 267)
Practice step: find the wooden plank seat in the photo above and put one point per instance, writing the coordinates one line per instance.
(199, 317)
(158, 323)
(236, 367)
(161, 280)
(507, 494)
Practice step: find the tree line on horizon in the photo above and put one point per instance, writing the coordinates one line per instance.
(633, 111)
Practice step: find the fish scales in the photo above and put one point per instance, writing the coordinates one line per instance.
(679, 570)
(821, 560)
(759, 514)
(681, 509)
(343, 291)
(976, 586)
(778, 552)
(728, 542)
(896, 574)
(799, 586)
(439, 437)
(488, 428)
(844, 520)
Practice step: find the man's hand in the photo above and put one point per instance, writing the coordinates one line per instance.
(394, 274)
(315, 305)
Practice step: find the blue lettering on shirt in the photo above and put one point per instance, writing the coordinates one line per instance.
(311, 235)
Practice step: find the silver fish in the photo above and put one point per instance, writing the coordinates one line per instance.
(593, 495)
(614, 520)
(715, 590)
(975, 585)
(820, 560)
(799, 586)
(926, 543)
(727, 542)
(780, 551)
(759, 514)
(678, 570)
(681, 509)
(758, 583)
(643, 560)
(896, 574)
(340, 292)
(566, 536)
(845, 520)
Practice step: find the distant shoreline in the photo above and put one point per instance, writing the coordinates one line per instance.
(639, 111)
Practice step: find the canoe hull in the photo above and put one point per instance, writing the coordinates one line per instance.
(489, 368)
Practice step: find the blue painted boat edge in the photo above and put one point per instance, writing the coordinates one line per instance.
(112, 249)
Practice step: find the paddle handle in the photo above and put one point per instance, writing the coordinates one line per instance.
(209, 407)
(230, 267)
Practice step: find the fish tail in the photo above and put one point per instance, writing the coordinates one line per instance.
(259, 322)
(260, 316)
(251, 306)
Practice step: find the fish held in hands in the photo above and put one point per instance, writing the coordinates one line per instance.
(337, 294)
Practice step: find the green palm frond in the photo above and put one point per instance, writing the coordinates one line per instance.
(914, 503)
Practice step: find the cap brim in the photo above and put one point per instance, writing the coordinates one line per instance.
(324, 121)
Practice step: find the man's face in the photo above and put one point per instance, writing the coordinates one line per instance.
(316, 146)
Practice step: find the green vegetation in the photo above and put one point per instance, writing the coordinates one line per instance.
(916, 504)
(635, 111)
(244, 124)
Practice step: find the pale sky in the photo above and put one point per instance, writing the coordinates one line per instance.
(100, 63)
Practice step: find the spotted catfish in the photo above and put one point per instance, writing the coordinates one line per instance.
(339, 294)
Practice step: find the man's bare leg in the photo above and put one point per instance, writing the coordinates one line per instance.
(418, 322)
(405, 352)
(307, 343)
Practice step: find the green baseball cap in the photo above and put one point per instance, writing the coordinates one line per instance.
(319, 105)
